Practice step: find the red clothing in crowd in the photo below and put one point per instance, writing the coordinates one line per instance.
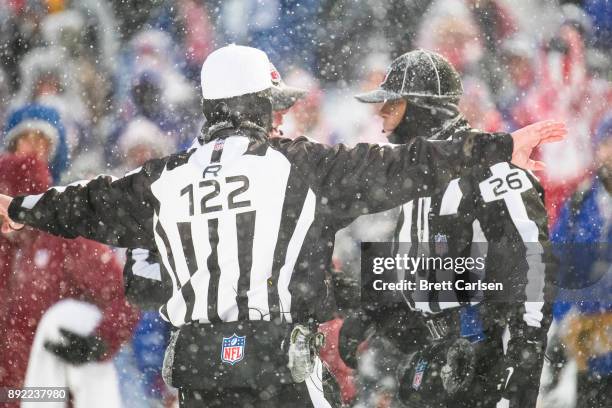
(565, 91)
(37, 270)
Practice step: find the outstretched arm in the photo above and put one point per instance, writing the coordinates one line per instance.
(108, 211)
(371, 178)
(117, 212)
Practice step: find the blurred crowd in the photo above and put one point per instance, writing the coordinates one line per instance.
(101, 86)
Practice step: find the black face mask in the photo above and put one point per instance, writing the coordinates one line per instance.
(428, 120)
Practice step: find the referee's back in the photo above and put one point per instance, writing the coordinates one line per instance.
(232, 222)
(245, 225)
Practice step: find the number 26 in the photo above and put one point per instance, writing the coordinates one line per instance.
(513, 182)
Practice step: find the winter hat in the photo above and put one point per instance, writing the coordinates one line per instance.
(58, 28)
(67, 30)
(46, 120)
(43, 62)
(420, 76)
(432, 87)
(141, 131)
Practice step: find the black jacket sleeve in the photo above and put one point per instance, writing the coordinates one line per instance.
(144, 283)
(370, 178)
(116, 212)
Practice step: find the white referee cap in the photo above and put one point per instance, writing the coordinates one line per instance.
(235, 70)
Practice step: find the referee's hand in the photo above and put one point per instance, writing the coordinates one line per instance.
(528, 138)
(8, 225)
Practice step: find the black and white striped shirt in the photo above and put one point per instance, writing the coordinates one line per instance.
(245, 225)
(495, 212)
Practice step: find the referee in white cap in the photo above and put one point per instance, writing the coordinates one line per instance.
(245, 226)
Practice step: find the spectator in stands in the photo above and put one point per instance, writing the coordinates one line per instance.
(566, 91)
(37, 270)
(583, 235)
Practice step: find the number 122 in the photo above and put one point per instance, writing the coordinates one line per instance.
(232, 203)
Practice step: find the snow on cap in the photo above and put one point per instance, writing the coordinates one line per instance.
(235, 70)
(283, 95)
(417, 74)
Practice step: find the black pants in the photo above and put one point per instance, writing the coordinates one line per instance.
(530, 390)
(291, 395)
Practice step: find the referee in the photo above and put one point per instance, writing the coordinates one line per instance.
(495, 212)
(145, 286)
(244, 225)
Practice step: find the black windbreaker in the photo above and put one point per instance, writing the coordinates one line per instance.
(274, 205)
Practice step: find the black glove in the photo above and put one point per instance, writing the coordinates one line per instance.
(522, 366)
(77, 349)
(458, 372)
(434, 375)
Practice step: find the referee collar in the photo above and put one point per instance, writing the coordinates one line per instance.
(223, 130)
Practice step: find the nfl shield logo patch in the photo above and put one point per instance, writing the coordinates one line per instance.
(418, 374)
(440, 244)
(232, 349)
(219, 145)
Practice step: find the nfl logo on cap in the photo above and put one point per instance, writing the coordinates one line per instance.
(232, 349)
(275, 75)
